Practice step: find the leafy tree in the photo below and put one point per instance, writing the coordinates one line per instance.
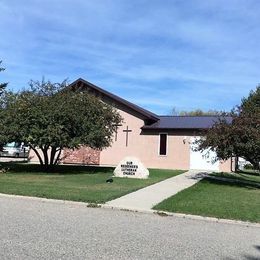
(2, 85)
(5, 98)
(195, 112)
(241, 138)
(50, 117)
(199, 112)
(2, 92)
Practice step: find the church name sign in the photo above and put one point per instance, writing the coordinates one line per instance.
(131, 167)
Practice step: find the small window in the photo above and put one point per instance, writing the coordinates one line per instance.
(163, 144)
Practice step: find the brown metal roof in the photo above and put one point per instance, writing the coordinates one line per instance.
(145, 113)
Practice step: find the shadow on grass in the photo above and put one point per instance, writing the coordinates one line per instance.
(233, 183)
(241, 177)
(198, 176)
(18, 167)
(249, 172)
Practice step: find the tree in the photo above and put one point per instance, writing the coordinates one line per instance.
(2, 85)
(2, 98)
(241, 137)
(199, 112)
(5, 98)
(50, 117)
(195, 112)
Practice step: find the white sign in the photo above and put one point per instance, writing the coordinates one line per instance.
(131, 167)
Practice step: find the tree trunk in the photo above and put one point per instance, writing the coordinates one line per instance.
(37, 153)
(46, 158)
(53, 153)
(58, 156)
(236, 164)
(256, 165)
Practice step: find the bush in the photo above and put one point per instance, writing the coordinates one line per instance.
(248, 166)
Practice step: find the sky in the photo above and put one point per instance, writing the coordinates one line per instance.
(159, 54)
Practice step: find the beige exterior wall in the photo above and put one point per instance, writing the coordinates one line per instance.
(145, 146)
(225, 166)
(112, 155)
(178, 153)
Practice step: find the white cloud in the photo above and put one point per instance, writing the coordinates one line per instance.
(161, 51)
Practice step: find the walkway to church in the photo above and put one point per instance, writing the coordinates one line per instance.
(148, 197)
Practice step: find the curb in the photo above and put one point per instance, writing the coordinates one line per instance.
(54, 201)
(135, 210)
(185, 216)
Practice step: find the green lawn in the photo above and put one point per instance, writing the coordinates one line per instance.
(219, 199)
(75, 183)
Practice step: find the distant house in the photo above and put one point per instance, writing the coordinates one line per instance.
(158, 141)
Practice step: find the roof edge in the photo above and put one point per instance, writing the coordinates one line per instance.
(147, 127)
(138, 109)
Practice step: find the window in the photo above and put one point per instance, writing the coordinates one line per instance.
(163, 144)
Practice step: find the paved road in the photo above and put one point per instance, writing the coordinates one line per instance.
(32, 229)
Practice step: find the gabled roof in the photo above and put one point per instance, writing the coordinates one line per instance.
(185, 122)
(145, 113)
(155, 122)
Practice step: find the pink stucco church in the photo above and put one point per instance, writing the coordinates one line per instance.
(158, 141)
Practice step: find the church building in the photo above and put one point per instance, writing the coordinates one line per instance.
(157, 141)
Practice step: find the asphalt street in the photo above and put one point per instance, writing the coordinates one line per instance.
(32, 229)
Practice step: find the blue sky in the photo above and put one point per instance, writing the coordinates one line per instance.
(157, 54)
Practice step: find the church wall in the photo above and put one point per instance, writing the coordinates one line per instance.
(145, 146)
(225, 166)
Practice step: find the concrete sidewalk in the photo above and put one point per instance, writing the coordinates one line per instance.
(148, 197)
